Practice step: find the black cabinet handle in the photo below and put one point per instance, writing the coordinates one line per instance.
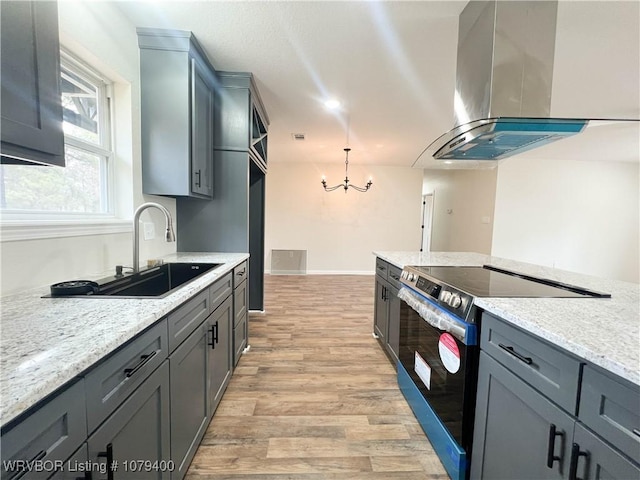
(198, 180)
(636, 432)
(511, 351)
(21, 473)
(384, 293)
(241, 274)
(144, 359)
(395, 277)
(108, 454)
(551, 446)
(576, 453)
(214, 335)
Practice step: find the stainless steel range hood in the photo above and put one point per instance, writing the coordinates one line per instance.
(503, 87)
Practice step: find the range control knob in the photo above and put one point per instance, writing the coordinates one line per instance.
(412, 277)
(455, 301)
(403, 275)
(445, 296)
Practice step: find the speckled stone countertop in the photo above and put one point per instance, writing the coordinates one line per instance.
(46, 342)
(603, 331)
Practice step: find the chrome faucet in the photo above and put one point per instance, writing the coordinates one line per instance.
(169, 236)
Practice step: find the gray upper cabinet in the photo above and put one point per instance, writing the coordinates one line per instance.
(177, 85)
(31, 129)
(240, 166)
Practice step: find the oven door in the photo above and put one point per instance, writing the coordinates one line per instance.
(437, 374)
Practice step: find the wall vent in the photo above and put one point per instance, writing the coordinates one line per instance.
(297, 136)
(288, 262)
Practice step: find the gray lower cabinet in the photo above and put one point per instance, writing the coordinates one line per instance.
(219, 325)
(134, 440)
(542, 413)
(189, 415)
(50, 434)
(240, 311)
(513, 428)
(31, 129)
(387, 308)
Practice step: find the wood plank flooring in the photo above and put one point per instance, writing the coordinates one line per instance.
(315, 397)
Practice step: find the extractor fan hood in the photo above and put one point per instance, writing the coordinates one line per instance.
(503, 84)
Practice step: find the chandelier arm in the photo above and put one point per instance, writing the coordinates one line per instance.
(331, 189)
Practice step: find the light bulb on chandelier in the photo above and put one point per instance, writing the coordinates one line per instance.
(346, 184)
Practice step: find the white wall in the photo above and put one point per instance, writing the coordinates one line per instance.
(561, 210)
(462, 209)
(99, 34)
(577, 216)
(340, 230)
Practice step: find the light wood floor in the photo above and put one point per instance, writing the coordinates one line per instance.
(315, 397)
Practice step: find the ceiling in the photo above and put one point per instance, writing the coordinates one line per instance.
(390, 64)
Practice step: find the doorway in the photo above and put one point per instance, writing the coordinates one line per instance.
(427, 222)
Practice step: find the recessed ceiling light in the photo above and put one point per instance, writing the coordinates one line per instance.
(332, 104)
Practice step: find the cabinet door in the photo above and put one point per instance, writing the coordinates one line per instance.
(31, 104)
(393, 327)
(239, 339)
(593, 459)
(201, 132)
(189, 419)
(380, 313)
(514, 425)
(219, 362)
(137, 432)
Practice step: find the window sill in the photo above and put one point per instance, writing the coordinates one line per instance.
(20, 229)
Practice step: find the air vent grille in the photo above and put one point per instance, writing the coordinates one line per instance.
(297, 136)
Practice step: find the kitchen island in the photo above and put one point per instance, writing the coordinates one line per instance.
(557, 380)
(46, 343)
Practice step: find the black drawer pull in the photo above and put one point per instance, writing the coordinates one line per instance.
(241, 274)
(551, 446)
(109, 456)
(380, 267)
(144, 359)
(636, 432)
(198, 182)
(511, 351)
(395, 277)
(21, 473)
(576, 453)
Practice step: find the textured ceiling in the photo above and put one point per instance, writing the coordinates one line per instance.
(391, 64)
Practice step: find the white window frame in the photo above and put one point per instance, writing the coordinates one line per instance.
(42, 224)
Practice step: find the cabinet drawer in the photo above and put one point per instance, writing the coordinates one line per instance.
(610, 406)
(220, 290)
(393, 275)
(52, 433)
(186, 318)
(239, 339)
(382, 268)
(240, 274)
(240, 303)
(111, 382)
(551, 371)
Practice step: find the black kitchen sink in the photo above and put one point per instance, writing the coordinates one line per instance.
(154, 282)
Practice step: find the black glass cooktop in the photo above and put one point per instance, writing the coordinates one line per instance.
(489, 281)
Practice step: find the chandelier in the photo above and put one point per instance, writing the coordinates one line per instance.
(346, 185)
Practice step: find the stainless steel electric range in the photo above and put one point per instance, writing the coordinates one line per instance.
(438, 356)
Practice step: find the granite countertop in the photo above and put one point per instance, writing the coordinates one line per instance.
(603, 331)
(46, 342)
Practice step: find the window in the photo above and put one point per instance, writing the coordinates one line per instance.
(82, 187)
